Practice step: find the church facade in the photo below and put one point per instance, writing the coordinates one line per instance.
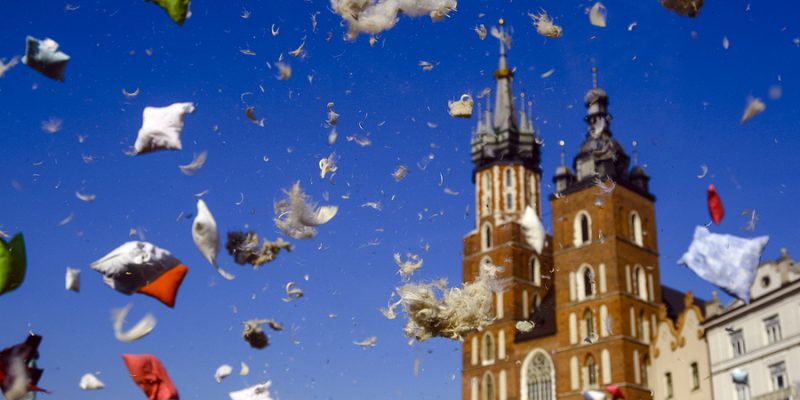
(593, 293)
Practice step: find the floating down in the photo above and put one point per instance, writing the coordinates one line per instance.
(18, 372)
(727, 261)
(141, 267)
(43, 57)
(149, 374)
(12, 263)
(161, 128)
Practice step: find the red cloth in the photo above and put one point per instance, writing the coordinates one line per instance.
(165, 288)
(149, 374)
(616, 392)
(715, 207)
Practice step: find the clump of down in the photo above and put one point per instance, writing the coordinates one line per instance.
(434, 310)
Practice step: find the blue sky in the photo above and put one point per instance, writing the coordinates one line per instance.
(680, 97)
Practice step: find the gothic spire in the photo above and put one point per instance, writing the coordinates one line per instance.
(504, 118)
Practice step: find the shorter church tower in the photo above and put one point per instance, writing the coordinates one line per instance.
(606, 258)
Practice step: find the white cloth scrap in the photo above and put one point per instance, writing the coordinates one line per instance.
(90, 382)
(533, 229)
(161, 128)
(257, 392)
(222, 372)
(73, 279)
(727, 261)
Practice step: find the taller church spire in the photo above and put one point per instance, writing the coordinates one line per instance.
(499, 138)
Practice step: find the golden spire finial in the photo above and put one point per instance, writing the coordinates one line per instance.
(563, 155)
(502, 22)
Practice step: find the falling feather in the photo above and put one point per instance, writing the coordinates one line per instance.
(140, 330)
(197, 163)
(206, 237)
(598, 14)
(222, 372)
(754, 107)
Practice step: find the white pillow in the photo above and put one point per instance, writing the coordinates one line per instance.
(161, 128)
(727, 261)
(133, 265)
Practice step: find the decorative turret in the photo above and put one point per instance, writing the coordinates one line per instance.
(499, 137)
(564, 175)
(600, 155)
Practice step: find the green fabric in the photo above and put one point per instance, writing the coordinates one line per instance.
(12, 263)
(177, 9)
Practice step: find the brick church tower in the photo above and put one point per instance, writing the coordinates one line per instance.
(591, 292)
(606, 257)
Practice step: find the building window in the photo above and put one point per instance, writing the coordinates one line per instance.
(487, 237)
(668, 381)
(695, 377)
(737, 343)
(536, 271)
(487, 387)
(509, 189)
(591, 372)
(636, 229)
(582, 228)
(639, 283)
(778, 374)
(486, 194)
(539, 375)
(742, 392)
(645, 365)
(773, 327)
(588, 283)
(487, 349)
(534, 305)
(588, 325)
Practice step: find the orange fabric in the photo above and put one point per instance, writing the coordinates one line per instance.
(165, 288)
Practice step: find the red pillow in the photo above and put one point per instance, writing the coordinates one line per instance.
(149, 374)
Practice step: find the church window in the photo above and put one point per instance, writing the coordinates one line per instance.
(591, 371)
(536, 271)
(539, 378)
(487, 387)
(588, 282)
(487, 349)
(582, 229)
(487, 237)
(588, 325)
(636, 229)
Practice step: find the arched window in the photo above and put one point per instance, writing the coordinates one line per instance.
(591, 371)
(588, 282)
(645, 366)
(537, 377)
(536, 271)
(535, 305)
(588, 325)
(487, 387)
(636, 229)
(487, 236)
(644, 330)
(582, 229)
(639, 282)
(487, 349)
(508, 177)
(486, 193)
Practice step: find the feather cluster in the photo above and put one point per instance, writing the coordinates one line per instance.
(434, 310)
(297, 217)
